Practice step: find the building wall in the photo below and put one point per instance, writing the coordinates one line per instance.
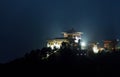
(69, 37)
(110, 45)
(56, 43)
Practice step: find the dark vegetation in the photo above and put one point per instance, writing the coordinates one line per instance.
(70, 59)
(67, 60)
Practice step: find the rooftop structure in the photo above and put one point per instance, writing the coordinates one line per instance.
(72, 33)
(110, 44)
(68, 36)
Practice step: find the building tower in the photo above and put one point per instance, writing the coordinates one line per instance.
(71, 37)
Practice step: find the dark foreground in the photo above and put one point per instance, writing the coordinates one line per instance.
(65, 62)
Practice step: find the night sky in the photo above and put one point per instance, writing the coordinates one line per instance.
(27, 24)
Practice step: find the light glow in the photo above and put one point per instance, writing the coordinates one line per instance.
(54, 45)
(77, 39)
(83, 44)
(95, 49)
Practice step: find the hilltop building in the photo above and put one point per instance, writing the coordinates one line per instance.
(71, 37)
(111, 45)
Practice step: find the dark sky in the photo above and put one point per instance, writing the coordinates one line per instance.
(26, 24)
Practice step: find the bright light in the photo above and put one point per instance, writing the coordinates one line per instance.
(48, 45)
(52, 46)
(83, 44)
(95, 49)
(55, 51)
(48, 55)
(57, 46)
(77, 39)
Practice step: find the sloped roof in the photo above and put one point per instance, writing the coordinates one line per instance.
(71, 31)
(59, 38)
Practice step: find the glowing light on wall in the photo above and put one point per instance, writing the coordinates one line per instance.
(77, 39)
(95, 49)
(48, 45)
(57, 46)
(54, 45)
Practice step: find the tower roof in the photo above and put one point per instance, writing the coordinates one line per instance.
(71, 31)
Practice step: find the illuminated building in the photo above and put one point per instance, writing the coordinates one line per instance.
(72, 34)
(95, 49)
(71, 37)
(110, 45)
(93, 46)
(56, 43)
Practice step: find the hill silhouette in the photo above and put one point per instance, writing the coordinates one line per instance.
(67, 59)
